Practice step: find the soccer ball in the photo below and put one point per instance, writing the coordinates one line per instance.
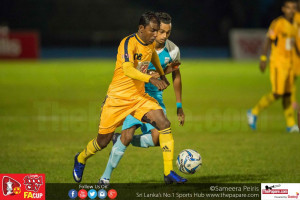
(189, 161)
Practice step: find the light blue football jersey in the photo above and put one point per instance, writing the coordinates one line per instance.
(166, 55)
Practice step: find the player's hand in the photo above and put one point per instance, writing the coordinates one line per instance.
(173, 66)
(160, 84)
(181, 116)
(155, 75)
(262, 66)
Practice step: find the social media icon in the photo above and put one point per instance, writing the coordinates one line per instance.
(82, 194)
(92, 194)
(102, 194)
(73, 194)
(112, 194)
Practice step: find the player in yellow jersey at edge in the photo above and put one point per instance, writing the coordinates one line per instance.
(126, 96)
(281, 39)
(296, 58)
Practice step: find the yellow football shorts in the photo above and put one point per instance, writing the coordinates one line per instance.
(115, 110)
(282, 79)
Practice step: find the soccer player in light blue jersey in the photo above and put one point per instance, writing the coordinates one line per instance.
(169, 56)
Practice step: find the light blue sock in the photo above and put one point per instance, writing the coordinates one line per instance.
(143, 140)
(116, 154)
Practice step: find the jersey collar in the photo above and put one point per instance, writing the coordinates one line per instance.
(159, 51)
(140, 40)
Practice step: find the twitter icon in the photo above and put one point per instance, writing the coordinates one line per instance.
(92, 194)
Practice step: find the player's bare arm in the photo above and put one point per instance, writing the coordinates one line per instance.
(177, 84)
(172, 66)
(263, 57)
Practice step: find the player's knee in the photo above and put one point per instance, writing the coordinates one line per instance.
(127, 135)
(126, 139)
(165, 124)
(102, 144)
(103, 140)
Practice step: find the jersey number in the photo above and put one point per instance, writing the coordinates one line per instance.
(137, 56)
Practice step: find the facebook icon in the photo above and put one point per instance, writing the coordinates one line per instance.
(72, 194)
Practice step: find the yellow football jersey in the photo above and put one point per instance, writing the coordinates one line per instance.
(296, 58)
(297, 24)
(131, 49)
(283, 34)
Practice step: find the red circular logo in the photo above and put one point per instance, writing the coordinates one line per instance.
(82, 194)
(112, 194)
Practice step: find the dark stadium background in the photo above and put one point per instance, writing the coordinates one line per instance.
(102, 24)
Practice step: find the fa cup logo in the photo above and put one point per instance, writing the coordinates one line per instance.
(10, 186)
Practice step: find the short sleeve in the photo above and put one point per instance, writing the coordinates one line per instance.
(173, 50)
(177, 54)
(274, 29)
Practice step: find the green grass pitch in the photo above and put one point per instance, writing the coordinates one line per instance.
(49, 110)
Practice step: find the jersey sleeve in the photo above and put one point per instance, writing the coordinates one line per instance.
(133, 73)
(274, 29)
(156, 63)
(297, 17)
(173, 50)
(177, 54)
(128, 50)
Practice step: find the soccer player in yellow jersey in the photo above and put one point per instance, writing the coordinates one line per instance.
(126, 95)
(169, 56)
(281, 38)
(296, 57)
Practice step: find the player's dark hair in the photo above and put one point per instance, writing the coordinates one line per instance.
(148, 17)
(164, 17)
(289, 1)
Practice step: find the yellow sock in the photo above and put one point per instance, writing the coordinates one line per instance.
(264, 102)
(288, 111)
(167, 145)
(289, 116)
(90, 150)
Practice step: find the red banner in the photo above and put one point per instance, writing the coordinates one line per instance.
(19, 45)
(22, 186)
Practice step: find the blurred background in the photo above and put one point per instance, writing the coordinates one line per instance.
(94, 28)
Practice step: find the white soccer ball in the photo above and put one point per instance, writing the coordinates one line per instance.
(189, 161)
